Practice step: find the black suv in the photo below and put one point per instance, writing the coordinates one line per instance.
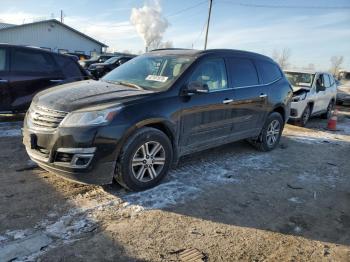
(24, 71)
(137, 121)
(100, 69)
(96, 59)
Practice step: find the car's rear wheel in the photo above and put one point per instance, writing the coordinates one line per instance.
(145, 159)
(328, 114)
(270, 134)
(305, 116)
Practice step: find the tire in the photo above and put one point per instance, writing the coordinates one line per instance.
(305, 116)
(262, 143)
(328, 114)
(138, 170)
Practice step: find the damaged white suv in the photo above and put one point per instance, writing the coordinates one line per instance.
(314, 93)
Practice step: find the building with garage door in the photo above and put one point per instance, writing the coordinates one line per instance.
(51, 35)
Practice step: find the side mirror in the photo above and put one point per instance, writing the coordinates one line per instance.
(196, 87)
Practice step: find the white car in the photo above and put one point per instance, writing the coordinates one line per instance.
(314, 94)
(343, 95)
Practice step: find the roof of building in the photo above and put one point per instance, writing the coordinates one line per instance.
(5, 25)
(12, 27)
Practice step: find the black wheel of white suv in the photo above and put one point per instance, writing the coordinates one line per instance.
(144, 160)
(270, 134)
(328, 113)
(305, 116)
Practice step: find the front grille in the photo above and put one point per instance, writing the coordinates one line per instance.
(45, 118)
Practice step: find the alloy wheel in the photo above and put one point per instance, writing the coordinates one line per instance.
(273, 132)
(148, 161)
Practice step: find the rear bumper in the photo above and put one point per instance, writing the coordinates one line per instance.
(345, 98)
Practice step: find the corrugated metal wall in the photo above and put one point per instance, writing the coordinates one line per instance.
(50, 35)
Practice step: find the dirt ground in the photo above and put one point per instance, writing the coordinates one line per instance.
(230, 203)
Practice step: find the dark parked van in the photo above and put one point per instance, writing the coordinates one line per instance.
(98, 70)
(137, 121)
(24, 71)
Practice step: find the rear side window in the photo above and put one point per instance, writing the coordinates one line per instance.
(31, 61)
(326, 81)
(2, 59)
(242, 72)
(69, 68)
(270, 72)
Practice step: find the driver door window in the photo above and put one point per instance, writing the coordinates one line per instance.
(211, 74)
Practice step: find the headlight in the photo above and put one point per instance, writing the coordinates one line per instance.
(298, 98)
(93, 118)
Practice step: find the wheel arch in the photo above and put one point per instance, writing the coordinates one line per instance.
(164, 125)
(281, 110)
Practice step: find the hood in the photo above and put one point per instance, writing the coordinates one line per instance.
(297, 88)
(344, 89)
(77, 95)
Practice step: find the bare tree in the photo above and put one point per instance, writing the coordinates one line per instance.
(336, 62)
(282, 57)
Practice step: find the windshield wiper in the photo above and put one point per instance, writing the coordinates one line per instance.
(129, 84)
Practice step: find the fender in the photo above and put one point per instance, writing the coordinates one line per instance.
(156, 122)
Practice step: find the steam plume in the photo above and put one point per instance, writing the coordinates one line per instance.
(150, 23)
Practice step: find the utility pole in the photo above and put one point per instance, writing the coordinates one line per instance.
(61, 16)
(206, 34)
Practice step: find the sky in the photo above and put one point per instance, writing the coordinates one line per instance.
(313, 30)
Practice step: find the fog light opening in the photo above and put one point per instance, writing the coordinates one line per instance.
(81, 160)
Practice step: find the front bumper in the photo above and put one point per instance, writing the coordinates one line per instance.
(297, 109)
(86, 155)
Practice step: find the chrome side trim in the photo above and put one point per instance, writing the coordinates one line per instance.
(241, 87)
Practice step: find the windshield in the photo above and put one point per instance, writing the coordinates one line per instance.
(150, 72)
(300, 79)
(112, 60)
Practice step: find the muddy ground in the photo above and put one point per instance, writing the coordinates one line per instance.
(227, 204)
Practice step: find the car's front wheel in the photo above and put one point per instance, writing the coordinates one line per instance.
(305, 116)
(144, 160)
(270, 134)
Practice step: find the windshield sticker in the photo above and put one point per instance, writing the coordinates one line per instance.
(157, 78)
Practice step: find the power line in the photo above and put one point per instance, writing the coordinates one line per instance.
(284, 6)
(185, 9)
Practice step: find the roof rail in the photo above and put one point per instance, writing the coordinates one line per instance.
(170, 48)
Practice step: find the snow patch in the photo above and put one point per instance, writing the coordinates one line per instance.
(295, 200)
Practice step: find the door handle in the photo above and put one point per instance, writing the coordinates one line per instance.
(56, 80)
(227, 101)
(3, 81)
(263, 95)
